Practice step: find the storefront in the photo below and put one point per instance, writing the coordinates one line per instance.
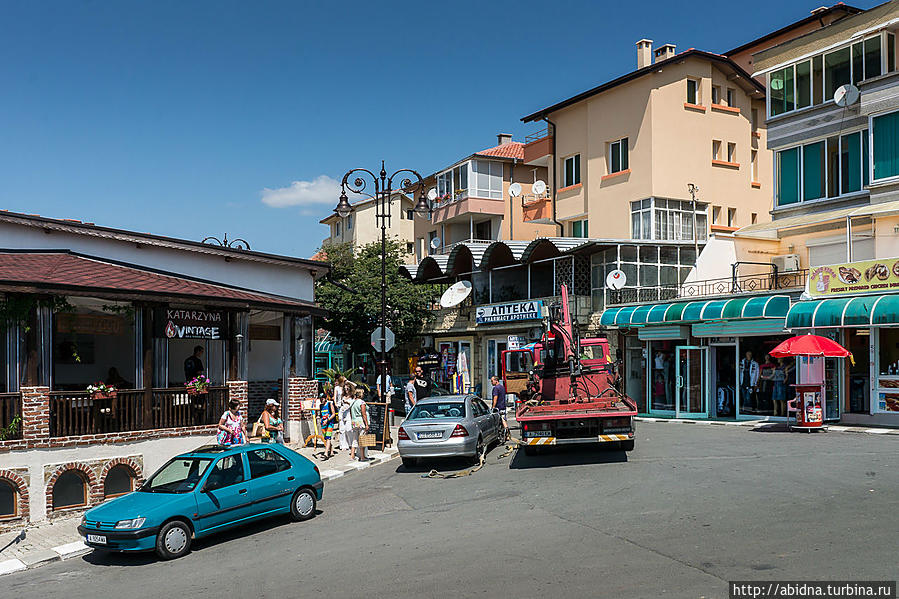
(707, 359)
(869, 327)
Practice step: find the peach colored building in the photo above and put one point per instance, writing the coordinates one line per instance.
(622, 154)
(361, 227)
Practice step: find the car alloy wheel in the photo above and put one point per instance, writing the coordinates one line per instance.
(302, 506)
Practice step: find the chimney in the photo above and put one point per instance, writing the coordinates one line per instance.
(503, 138)
(644, 53)
(665, 52)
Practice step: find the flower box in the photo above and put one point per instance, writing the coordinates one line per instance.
(103, 395)
(195, 391)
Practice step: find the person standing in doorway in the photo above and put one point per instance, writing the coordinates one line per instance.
(193, 365)
(749, 379)
(499, 402)
(779, 388)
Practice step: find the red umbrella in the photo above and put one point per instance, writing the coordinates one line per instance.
(810, 345)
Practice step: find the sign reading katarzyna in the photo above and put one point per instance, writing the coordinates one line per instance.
(176, 323)
(510, 311)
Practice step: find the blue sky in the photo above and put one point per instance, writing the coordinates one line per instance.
(198, 118)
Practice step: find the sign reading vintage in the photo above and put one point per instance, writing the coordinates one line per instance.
(511, 311)
(870, 276)
(177, 323)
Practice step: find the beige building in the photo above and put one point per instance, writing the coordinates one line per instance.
(475, 200)
(362, 227)
(621, 155)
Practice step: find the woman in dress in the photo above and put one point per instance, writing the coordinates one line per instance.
(272, 422)
(779, 388)
(343, 412)
(232, 426)
(327, 419)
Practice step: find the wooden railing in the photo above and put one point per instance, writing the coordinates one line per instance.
(10, 410)
(77, 413)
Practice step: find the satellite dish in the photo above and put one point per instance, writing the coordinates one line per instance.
(515, 190)
(435, 243)
(456, 294)
(616, 279)
(432, 194)
(539, 187)
(845, 95)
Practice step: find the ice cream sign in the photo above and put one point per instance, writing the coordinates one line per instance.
(869, 276)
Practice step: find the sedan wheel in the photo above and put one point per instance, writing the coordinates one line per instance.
(481, 450)
(173, 540)
(302, 506)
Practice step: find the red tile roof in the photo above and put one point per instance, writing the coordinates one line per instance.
(513, 149)
(72, 272)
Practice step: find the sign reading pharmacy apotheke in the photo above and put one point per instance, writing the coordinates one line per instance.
(510, 311)
(869, 276)
(186, 323)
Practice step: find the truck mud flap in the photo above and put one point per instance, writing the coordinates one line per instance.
(554, 441)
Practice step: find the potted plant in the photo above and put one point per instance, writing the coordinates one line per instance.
(101, 390)
(199, 385)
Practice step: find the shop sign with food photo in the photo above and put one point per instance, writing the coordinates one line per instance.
(870, 276)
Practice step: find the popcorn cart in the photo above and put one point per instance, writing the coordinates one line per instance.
(808, 404)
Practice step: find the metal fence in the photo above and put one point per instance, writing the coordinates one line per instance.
(79, 413)
(751, 283)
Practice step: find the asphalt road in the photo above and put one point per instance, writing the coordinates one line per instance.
(692, 507)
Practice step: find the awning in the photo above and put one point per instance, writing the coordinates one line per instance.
(875, 210)
(865, 311)
(770, 306)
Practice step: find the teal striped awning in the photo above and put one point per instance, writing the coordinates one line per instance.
(870, 310)
(770, 306)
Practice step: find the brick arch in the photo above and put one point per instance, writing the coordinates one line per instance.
(94, 489)
(130, 463)
(21, 488)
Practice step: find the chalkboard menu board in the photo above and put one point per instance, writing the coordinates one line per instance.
(377, 421)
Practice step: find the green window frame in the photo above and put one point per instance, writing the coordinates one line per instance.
(813, 180)
(885, 142)
(788, 177)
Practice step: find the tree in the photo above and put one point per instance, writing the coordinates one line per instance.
(353, 315)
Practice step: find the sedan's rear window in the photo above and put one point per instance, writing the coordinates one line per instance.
(454, 409)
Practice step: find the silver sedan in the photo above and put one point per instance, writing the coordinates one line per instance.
(448, 426)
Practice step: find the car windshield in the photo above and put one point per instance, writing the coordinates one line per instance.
(454, 409)
(180, 475)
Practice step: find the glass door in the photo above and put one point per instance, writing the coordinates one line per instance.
(692, 384)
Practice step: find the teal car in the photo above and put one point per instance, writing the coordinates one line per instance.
(203, 492)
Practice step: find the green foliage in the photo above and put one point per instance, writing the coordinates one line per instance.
(9, 431)
(15, 308)
(349, 374)
(353, 315)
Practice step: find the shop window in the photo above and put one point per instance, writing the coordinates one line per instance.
(9, 499)
(70, 490)
(119, 481)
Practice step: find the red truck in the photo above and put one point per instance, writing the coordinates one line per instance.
(567, 389)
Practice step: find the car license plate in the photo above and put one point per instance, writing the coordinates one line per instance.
(431, 435)
(96, 539)
(539, 433)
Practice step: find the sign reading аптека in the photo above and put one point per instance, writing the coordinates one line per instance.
(510, 311)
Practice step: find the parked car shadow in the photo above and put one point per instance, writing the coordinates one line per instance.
(445, 465)
(98, 557)
(567, 455)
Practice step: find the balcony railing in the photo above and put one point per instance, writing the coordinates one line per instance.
(10, 412)
(536, 135)
(750, 283)
(78, 413)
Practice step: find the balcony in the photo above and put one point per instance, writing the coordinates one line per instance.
(538, 148)
(462, 206)
(537, 210)
(739, 284)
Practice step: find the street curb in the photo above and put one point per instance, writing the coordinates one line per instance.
(40, 557)
(841, 428)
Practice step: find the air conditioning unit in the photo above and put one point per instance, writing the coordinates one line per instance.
(786, 263)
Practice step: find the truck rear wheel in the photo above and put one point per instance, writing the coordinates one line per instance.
(627, 445)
